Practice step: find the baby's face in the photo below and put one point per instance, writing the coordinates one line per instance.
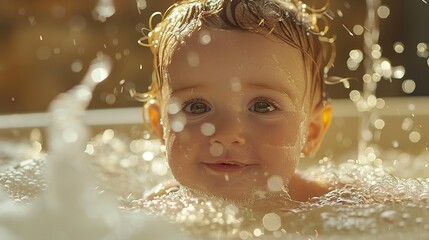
(234, 113)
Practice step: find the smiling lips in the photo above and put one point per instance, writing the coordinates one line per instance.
(227, 167)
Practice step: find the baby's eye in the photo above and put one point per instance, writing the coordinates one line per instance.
(262, 106)
(196, 106)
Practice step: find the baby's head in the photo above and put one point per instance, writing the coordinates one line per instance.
(239, 93)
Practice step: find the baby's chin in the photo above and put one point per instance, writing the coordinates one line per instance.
(258, 198)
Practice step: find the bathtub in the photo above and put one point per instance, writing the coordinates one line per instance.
(71, 209)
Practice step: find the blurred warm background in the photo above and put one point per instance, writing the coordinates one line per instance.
(46, 47)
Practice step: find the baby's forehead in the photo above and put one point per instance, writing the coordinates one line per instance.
(233, 53)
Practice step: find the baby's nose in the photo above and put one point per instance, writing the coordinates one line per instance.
(229, 132)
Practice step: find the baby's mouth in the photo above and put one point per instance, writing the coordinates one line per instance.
(226, 167)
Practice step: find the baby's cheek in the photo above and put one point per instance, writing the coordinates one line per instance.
(283, 132)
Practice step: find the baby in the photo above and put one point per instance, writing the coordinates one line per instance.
(238, 96)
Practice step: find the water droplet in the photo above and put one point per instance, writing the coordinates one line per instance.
(173, 106)
(99, 74)
(141, 4)
(216, 149)
(407, 124)
(398, 72)
(379, 124)
(205, 37)
(271, 221)
(208, 129)
(358, 29)
(108, 135)
(383, 12)
(355, 95)
(398, 47)
(257, 232)
(193, 59)
(408, 86)
(147, 156)
(235, 84)
(414, 137)
(104, 10)
(275, 183)
(178, 123)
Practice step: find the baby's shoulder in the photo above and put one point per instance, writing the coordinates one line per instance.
(161, 189)
(302, 188)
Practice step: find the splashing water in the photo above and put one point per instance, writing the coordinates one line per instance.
(71, 208)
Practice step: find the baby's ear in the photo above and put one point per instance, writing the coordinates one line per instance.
(152, 114)
(319, 124)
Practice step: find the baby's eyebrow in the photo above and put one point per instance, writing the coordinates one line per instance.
(288, 92)
(185, 88)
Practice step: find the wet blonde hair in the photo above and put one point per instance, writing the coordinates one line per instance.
(291, 21)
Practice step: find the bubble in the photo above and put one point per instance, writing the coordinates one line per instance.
(205, 37)
(355, 95)
(422, 50)
(408, 86)
(108, 135)
(32, 20)
(407, 124)
(173, 106)
(245, 235)
(414, 137)
(159, 168)
(147, 156)
(193, 59)
(104, 10)
(411, 107)
(178, 123)
(216, 149)
(235, 84)
(395, 144)
(271, 221)
(398, 72)
(99, 74)
(383, 12)
(257, 232)
(380, 103)
(398, 47)
(43, 53)
(367, 78)
(379, 124)
(358, 29)
(208, 129)
(428, 61)
(371, 100)
(421, 47)
(367, 135)
(141, 4)
(385, 65)
(352, 65)
(356, 55)
(275, 183)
